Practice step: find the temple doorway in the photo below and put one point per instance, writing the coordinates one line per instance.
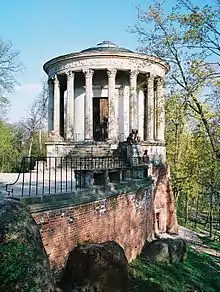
(100, 118)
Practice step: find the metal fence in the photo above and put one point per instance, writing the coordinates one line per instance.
(50, 175)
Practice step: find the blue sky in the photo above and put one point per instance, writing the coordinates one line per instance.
(43, 29)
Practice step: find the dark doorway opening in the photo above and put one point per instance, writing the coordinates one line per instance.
(158, 221)
(100, 119)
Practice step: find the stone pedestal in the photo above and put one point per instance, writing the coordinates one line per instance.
(84, 178)
(134, 154)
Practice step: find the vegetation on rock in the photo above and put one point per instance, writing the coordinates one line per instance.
(24, 265)
(167, 250)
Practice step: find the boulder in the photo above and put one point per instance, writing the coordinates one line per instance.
(100, 266)
(166, 250)
(24, 265)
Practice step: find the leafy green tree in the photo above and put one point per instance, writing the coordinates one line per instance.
(8, 153)
(161, 33)
(187, 37)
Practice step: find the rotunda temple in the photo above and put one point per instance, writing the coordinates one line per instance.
(99, 95)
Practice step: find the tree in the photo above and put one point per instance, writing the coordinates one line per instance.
(4, 105)
(35, 122)
(187, 37)
(190, 72)
(9, 67)
(8, 152)
(202, 27)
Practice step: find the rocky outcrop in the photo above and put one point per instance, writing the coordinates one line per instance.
(101, 266)
(24, 265)
(166, 250)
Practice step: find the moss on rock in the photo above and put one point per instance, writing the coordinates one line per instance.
(24, 265)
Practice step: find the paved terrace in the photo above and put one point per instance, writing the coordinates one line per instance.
(51, 182)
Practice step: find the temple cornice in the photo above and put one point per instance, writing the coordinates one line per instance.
(104, 60)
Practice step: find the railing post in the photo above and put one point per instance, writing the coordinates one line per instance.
(61, 174)
(43, 175)
(66, 175)
(49, 172)
(55, 174)
(30, 172)
(37, 178)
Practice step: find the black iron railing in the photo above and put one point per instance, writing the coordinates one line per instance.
(50, 175)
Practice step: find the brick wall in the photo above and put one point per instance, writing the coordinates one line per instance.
(165, 218)
(125, 218)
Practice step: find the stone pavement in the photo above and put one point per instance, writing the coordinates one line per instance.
(33, 184)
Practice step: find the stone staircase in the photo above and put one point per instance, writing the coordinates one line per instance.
(87, 150)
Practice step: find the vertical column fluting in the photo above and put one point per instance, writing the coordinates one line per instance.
(161, 108)
(50, 105)
(133, 119)
(70, 106)
(150, 107)
(156, 108)
(113, 106)
(56, 114)
(88, 124)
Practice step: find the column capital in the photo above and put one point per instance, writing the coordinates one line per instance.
(88, 72)
(70, 74)
(134, 73)
(56, 80)
(160, 80)
(149, 75)
(111, 72)
(50, 81)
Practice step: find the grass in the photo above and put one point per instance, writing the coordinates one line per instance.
(200, 273)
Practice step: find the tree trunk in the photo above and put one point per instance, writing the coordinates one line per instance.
(207, 219)
(30, 146)
(218, 211)
(197, 207)
(211, 216)
(40, 141)
(186, 209)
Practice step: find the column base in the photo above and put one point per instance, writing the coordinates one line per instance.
(89, 141)
(112, 140)
(150, 140)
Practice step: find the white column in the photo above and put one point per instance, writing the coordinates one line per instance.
(161, 108)
(56, 114)
(70, 106)
(150, 107)
(88, 115)
(50, 105)
(113, 108)
(141, 114)
(133, 124)
(126, 109)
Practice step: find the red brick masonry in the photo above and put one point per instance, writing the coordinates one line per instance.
(126, 218)
(129, 219)
(165, 218)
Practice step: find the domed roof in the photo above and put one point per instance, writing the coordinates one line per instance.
(106, 46)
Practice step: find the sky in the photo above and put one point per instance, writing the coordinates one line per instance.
(43, 29)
